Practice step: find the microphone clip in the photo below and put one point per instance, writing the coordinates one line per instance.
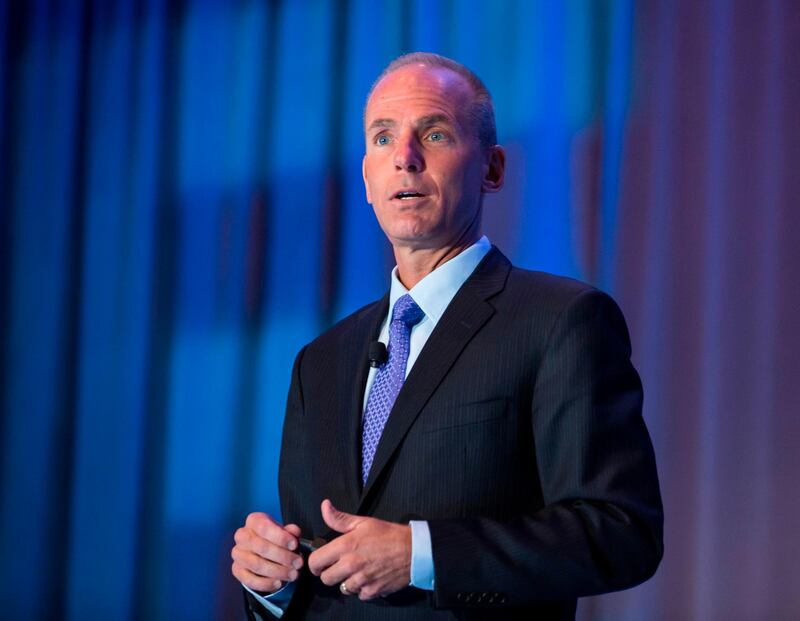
(377, 354)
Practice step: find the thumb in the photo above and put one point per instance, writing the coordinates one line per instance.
(337, 520)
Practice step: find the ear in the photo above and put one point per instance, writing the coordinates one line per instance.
(494, 170)
(364, 175)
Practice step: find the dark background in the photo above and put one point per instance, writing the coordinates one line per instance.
(181, 209)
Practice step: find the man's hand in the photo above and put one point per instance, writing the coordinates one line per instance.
(263, 557)
(372, 557)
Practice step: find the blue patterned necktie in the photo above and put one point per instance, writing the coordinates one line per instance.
(388, 379)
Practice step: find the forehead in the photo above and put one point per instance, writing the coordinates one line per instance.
(417, 90)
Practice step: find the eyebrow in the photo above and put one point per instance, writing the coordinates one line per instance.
(425, 121)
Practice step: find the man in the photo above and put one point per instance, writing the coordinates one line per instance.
(495, 465)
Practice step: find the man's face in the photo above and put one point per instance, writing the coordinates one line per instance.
(423, 168)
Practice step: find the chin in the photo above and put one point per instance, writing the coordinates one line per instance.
(410, 232)
(417, 239)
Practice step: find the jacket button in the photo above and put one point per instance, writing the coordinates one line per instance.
(461, 597)
(501, 598)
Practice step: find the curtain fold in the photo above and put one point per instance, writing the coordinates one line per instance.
(181, 209)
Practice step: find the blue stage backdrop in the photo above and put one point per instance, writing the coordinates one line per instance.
(181, 209)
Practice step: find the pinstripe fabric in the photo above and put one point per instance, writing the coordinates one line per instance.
(517, 434)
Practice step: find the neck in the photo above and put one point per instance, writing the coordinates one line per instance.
(414, 264)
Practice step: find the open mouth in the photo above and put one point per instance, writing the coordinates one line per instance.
(408, 195)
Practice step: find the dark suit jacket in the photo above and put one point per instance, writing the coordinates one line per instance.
(518, 435)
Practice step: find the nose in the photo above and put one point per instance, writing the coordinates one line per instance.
(408, 155)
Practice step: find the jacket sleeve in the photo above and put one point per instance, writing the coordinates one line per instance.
(600, 528)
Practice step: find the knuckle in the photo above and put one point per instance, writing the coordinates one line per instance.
(274, 534)
(262, 584)
(256, 564)
(294, 529)
(355, 582)
(242, 559)
(348, 558)
(264, 525)
(254, 518)
(284, 557)
(268, 550)
(281, 572)
(327, 578)
(262, 567)
(247, 545)
(261, 548)
(365, 577)
(284, 538)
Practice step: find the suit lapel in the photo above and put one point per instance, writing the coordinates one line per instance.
(464, 317)
(356, 348)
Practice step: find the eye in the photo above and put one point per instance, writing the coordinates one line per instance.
(383, 139)
(436, 136)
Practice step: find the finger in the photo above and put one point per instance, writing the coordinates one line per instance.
(372, 590)
(339, 521)
(325, 556)
(357, 581)
(267, 528)
(255, 582)
(366, 585)
(342, 571)
(250, 541)
(349, 589)
(263, 568)
(294, 529)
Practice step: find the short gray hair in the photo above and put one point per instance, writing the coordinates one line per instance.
(482, 109)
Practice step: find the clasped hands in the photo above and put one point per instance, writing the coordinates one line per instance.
(371, 558)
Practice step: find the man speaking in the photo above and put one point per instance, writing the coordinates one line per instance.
(490, 462)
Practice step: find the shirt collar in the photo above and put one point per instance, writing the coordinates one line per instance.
(434, 293)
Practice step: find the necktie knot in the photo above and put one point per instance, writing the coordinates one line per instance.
(407, 311)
